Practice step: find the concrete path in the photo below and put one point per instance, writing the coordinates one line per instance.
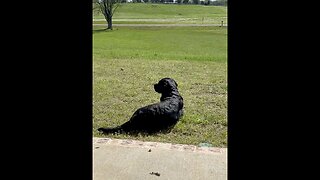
(161, 25)
(116, 159)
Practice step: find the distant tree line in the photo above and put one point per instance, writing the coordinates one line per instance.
(220, 3)
(202, 2)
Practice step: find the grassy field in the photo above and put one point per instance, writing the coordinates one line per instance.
(186, 43)
(129, 60)
(142, 13)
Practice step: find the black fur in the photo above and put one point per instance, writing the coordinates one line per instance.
(153, 118)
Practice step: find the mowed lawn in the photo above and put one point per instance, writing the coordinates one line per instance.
(142, 13)
(129, 60)
(179, 43)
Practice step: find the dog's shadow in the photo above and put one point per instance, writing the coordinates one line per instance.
(138, 133)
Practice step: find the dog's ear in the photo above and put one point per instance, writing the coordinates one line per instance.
(165, 84)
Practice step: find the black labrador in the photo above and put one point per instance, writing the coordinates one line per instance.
(158, 117)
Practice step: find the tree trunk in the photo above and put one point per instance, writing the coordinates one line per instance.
(109, 20)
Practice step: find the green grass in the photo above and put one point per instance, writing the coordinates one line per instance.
(129, 60)
(166, 13)
(174, 43)
(118, 93)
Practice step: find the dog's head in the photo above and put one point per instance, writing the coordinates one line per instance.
(166, 85)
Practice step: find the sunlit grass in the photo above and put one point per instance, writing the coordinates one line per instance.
(128, 61)
(171, 43)
(150, 11)
(123, 85)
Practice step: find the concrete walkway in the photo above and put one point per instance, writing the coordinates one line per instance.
(161, 25)
(116, 159)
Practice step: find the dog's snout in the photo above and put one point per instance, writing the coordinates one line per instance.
(155, 87)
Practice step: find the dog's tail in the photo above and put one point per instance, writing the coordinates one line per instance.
(117, 130)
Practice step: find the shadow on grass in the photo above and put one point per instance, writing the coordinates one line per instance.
(137, 133)
(99, 30)
(103, 30)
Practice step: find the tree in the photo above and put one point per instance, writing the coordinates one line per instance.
(220, 3)
(185, 1)
(107, 8)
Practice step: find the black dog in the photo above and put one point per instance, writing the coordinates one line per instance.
(157, 117)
